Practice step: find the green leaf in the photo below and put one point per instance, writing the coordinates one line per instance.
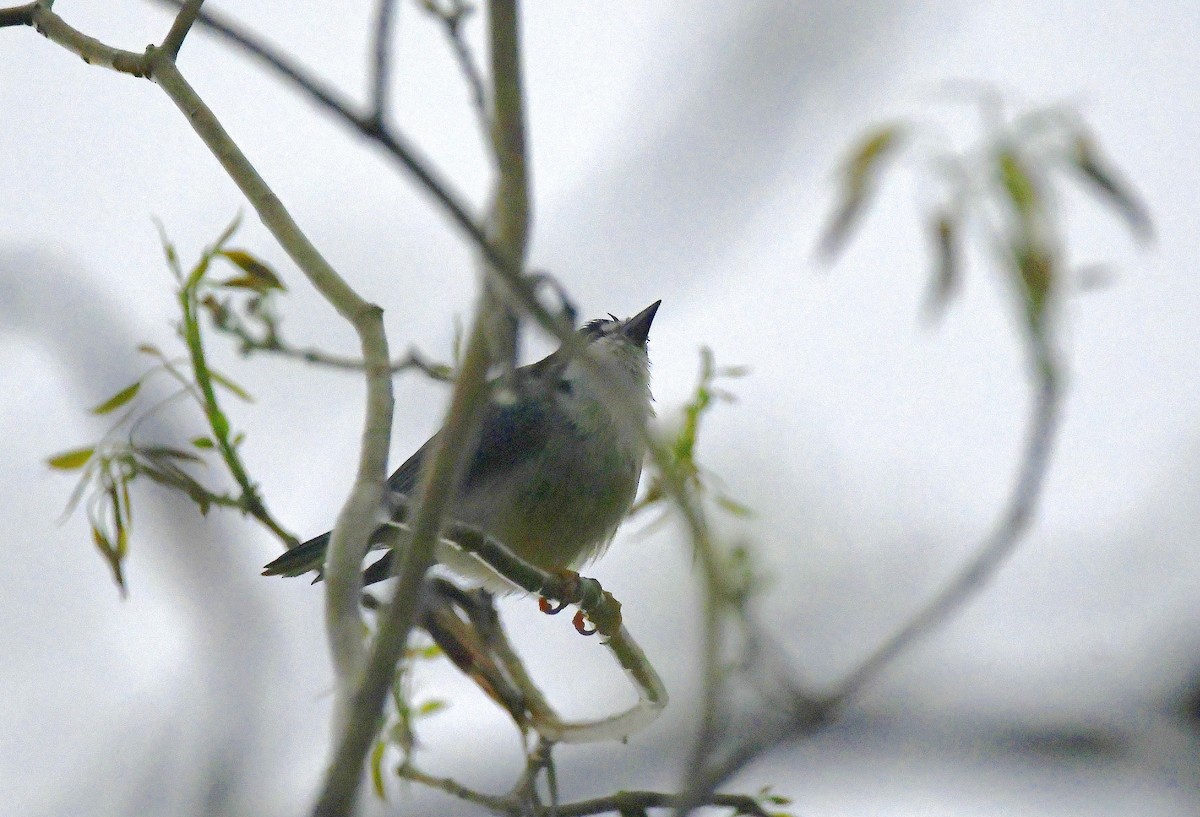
(117, 400)
(196, 275)
(732, 506)
(168, 250)
(1018, 183)
(111, 556)
(230, 385)
(430, 707)
(202, 442)
(220, 423)
(377, 768)
(227, 233)
(259, 276)
(1035, 270)
(425, 653)
(860, 170)
(71, 460)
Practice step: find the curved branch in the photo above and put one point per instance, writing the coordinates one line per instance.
(994, 550)
(808, 714)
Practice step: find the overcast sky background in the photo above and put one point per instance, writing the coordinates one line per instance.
(682, 153)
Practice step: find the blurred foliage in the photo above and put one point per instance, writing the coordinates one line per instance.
(400, 730)
(1004, 188)
(682, 447)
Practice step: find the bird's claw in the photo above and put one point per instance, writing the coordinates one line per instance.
(580, 621)
(550, 608)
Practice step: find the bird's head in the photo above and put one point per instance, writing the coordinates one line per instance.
(619, 346)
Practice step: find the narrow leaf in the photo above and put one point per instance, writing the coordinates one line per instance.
(733, 507)
(196, 275)
(227, 233)
(222, 380)
(220, 423)
(431, 706)
(110, 557)
(168, 250)
(117, 400)
(259, 276)
(166, 451)
(377, 768)
(1018, 184)
(943, 234)
(71, 460)
(202, 442)
(1086, 159)
(860, 170)
(1035, 269)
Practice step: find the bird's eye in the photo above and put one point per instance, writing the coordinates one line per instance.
(565, 387)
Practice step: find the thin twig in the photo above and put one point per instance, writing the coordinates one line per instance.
(226, 320)
(180, 28)
(452, 19)
(630, 802)
(411, 160)
(501, 805)
(357, 518)
(435, 493)
(393, 143)
(381, 63)
(440, 475)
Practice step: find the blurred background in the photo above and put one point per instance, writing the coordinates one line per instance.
(678, 152)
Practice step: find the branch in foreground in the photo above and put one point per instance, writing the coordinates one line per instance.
(507, 242)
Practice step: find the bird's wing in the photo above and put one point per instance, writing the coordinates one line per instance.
(404, 480)
(509, 436)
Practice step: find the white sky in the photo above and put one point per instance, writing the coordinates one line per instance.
(682, 153)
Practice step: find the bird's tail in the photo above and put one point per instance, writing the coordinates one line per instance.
(300, 559)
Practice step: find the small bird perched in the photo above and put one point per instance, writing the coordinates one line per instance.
(556, 467)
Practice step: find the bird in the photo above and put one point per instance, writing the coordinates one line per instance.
(556, 465)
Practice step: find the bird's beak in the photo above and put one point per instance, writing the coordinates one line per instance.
(637, 329)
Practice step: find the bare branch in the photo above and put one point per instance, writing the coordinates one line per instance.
(500, 805)
(91, 50)
(17, 15)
